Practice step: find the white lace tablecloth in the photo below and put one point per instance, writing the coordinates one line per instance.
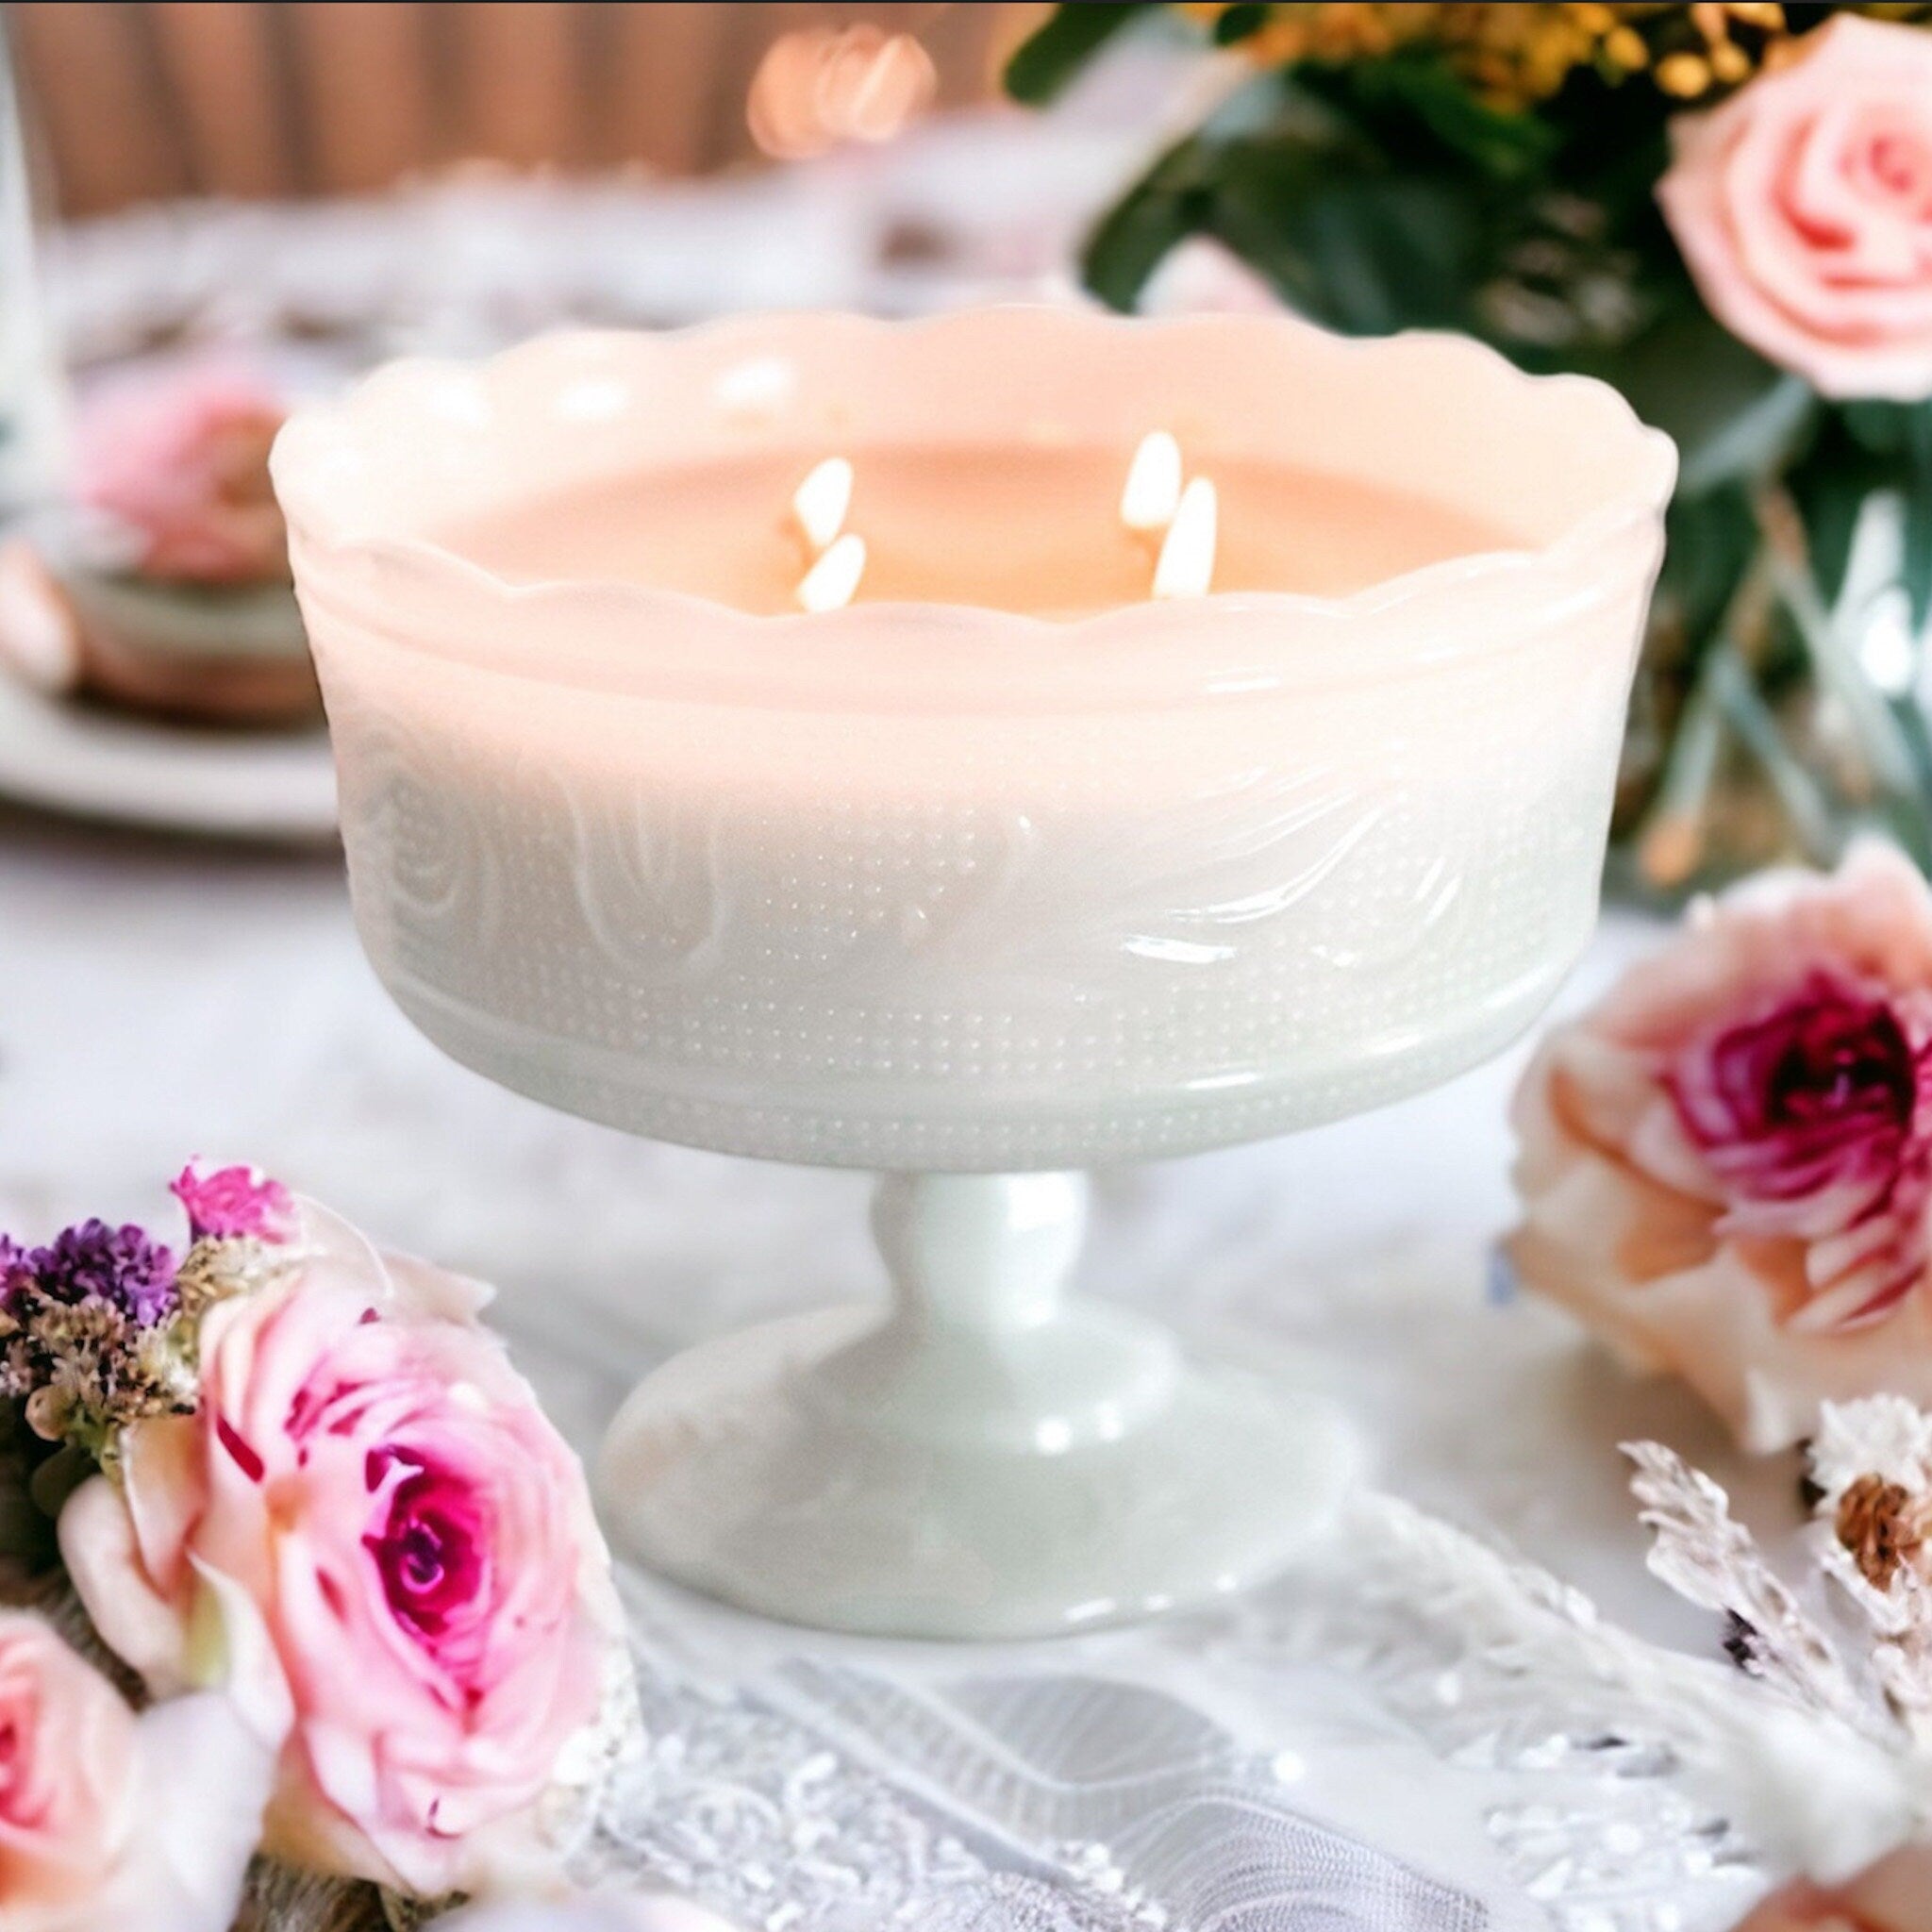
(1325, 1742)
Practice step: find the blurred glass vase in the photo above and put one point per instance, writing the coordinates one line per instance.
(32, 390)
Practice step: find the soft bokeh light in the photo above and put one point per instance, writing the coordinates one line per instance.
(820, 87)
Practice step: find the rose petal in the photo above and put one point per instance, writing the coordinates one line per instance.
(1800, 206)
(143, 1626)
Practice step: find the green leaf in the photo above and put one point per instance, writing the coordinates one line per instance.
(1167, 204)
(1732, 414)
(1369, 255)
(1916, 571)
(1045, 63)
(1502, 144)
(1831, 497)
(1860, 450)
(1347, 240)
(1916, 487)
(1709, 543)
(1236, 24)
(1176, 198)
(1885, 428)
(1419, 112)
(1135, 238)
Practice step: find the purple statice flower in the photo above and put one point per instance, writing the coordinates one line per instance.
(119, 1266)
(234, 1203)
(16, 1273)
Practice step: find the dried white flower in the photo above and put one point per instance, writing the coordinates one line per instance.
(1846, 1771)
(1707, 1556)
(1882, 1436)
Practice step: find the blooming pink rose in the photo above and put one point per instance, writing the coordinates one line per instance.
(375, 1476)
(1803, 205)
(100, 1830)
(181, 459)
(1726, 1166)
(1805, 1109)
(1895, 1895)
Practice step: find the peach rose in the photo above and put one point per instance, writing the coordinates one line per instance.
(367, 1468)
(1725, 1166)
(99, 1829)
(1895, 1895)
(1803, 205)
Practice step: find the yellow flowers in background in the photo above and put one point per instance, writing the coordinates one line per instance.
(1515, 56)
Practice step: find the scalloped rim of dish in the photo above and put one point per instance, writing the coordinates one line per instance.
(350, 418)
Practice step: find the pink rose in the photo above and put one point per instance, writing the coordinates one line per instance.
(1895, 1895)
(1725, 1166)
(100, 1829)
(1803, 205)
(370, 1472)
(181, 460)
(1804, 1107)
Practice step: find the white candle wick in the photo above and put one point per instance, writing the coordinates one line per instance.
(820, 502)
(832, 582)
(1153, 491)
(1186, 567)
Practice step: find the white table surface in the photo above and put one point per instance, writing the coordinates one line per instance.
(163, 998)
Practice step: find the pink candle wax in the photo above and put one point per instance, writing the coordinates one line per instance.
(1028, 528)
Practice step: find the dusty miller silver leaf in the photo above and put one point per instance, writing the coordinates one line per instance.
(1703, 1554)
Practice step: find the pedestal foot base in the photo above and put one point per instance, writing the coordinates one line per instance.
(796, 1470)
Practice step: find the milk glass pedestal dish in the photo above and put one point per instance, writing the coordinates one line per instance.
(971, 896)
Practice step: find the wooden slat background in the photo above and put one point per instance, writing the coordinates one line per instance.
(324, 96)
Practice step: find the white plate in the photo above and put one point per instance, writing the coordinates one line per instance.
(278, 788)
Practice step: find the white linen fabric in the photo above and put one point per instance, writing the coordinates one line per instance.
(1326, 1753)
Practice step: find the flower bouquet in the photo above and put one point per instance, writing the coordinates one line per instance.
(1724, 210)
(320, 1529)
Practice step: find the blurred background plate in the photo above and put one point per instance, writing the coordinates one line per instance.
(279, 789)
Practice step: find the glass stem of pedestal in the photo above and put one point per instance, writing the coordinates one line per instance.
(989, 1251)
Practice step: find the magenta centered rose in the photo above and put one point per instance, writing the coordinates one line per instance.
(1810, 1116)
(371, 1472)
(1726, 1165)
